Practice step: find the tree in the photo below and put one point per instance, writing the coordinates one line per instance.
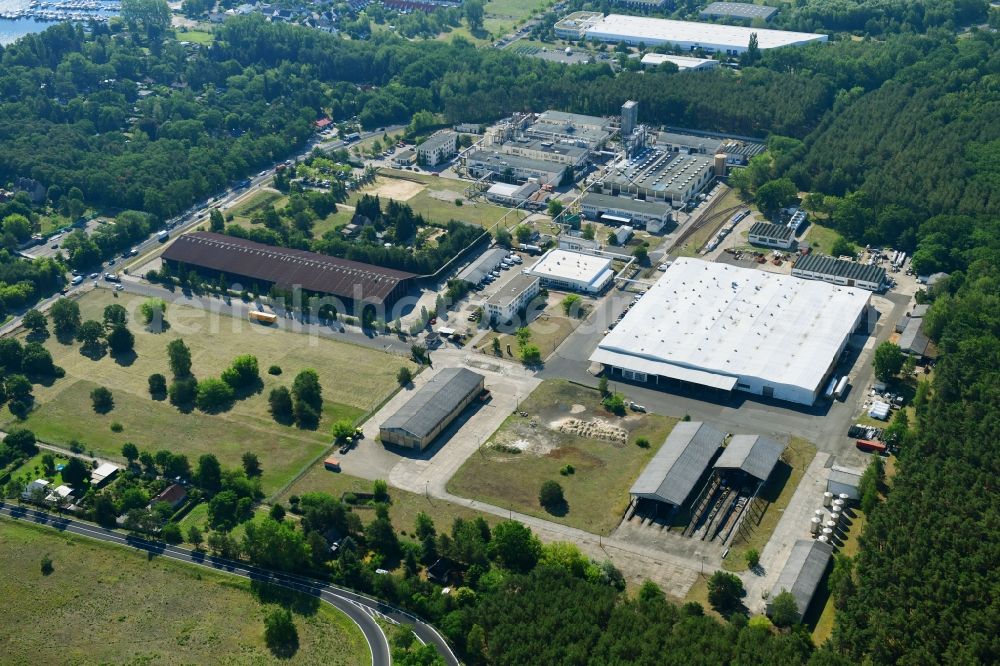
(641, 254)
(614, 403)
(183, 391)
(120, 340)
(784, 609)
(842, 248)
(531, 355)
(89, 333)
(74, 473)
(251, 464)
(171, 533)
(752, 54)
(153, 311)
(725, 590)
(555, 208)
(280, 634)
(130, 452)
(343, 429)
(35, 322)
(523, 233)
(307, 396)
(280, 404)
(102, 400)
(381, 537)
(209, 474)
(888, 361)
(602, 386)
(22, 440)
(115, 315)
(194, 536)
(276, 545)
(157, 386)
(571, 304)
(404, 376)
(36, 361)
(752, 557)
(180, 358)
(65, 316)
(776, 194)
(153, 16)
(216, 222)
(214, 395)
(474, 13)
(277, 513)
(424, 526)
(514, 546)
(502, 237)
(243, 372)
(46, 565)
(550, 496)
(380, 489)
(588, 232)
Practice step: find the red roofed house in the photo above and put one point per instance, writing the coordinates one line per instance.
(174, 495)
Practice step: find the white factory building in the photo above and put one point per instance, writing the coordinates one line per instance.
(574, 271)
(684, 63)
(687, 35)
(732, 328)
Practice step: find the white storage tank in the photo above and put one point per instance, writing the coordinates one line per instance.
(819, 513)
(835, 518)
(816, 527)
(823, 539)
(838, 505)
(828, 533)
(844, 497)
(828, 499)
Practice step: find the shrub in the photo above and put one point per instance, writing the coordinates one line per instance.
(157, 386)
(214, 395)
(404, 376)
(550, 496)
(642, 442)
(567, 470)
(183, 391)
(117, 427)
(46, 565)
(615, 404)
(274, 370)
(102, 399)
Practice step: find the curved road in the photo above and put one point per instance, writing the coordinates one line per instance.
(361, 609)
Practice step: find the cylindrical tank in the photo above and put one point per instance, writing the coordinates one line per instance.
(827, 532)
(844, 497)
(823, 538)
(819, 513)
(828, 499)
(830, 525)
(835, 518)
(720, 165)
(816, 526)
(838, 505)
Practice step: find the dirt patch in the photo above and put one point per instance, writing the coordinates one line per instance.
(577, 409)
(446, 195)
(593, 429)
(394, 188)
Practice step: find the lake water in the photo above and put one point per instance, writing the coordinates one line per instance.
(11, 30)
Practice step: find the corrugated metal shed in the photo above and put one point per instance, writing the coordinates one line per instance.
(286, 267)
(477, 270)
(802, 573)
(849, 270)
(434, 401)
(754, 454)
(675, 469)
(913, 340)
(773, 231)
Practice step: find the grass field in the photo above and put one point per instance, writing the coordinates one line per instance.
(777, 492)
(105, 604)
(403, 510)
(596, 493)
(547, 333)
(821, 238)
(196, 37)
(257, 202)
(354, 380)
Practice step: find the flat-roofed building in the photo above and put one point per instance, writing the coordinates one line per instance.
(250, 263)
(802, 573)
(590, 132)
(643, 5)
(512, 297)
(437, 148)
(844, 481)
(407, 157)
(653, 215)
(432, 408)
(754, 455)
(659, 174)
(738, 10)
(674, 471)
(772, 235)
(569, 154)
(575, 271)
(104, 473)
(727, 327)
(689, 35)
(509, 194)
(840, 271)
(684, 63)
(513, 167)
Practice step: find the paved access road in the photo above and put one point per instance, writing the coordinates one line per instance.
(361, 609)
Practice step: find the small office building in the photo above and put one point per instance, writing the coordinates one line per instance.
(573, 271)
(513, 297)
(432, 408)
(437, 148)
(776, 236)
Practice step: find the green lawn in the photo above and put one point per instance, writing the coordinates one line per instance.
(773, 498)
(821, 238)
(547, 333)
(354, 380)
(404, 507)
(32, 469)
(256, 202)
(196, 37)
(106, 604)
(596, 493)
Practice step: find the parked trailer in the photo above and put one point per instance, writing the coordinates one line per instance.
(830, 388)
(870, 446)
(841, 388)
(263, 317)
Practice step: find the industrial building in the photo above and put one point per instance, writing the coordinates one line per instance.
(840, 271)
(630, 116)
(482, 266)
(913, 341)
(259, 266)
(405, 158)
(508, 194)
(676, 468)
(753, 455)
(686, 35)
(802, 573)
(684, 63)
(437, 148)
(653, 215)
(481, 163)
(727, 327)
(844, 481)
(658, 174)
(574, 271)
(589, 132)
(738, 10)
(565, 153)
(511, 298)
(643, 5)
(772, 235)
(432, 408)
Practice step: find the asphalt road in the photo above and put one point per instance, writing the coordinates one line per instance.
(361, 609)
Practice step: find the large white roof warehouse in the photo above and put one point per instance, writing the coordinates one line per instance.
(729, 39)
(729, 327)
